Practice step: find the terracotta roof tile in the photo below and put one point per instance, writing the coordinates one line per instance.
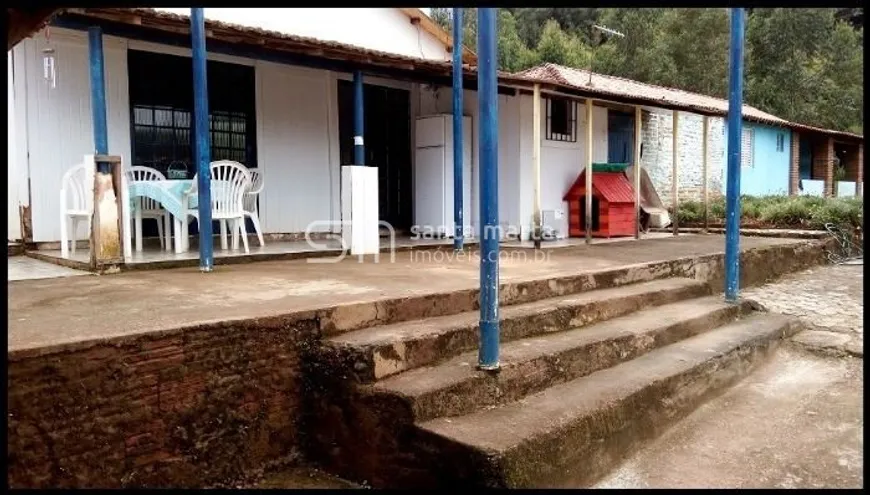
(620, 87)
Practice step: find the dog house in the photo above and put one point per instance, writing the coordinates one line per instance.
(613, 208)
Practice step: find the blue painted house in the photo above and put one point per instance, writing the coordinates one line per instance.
(766, 159)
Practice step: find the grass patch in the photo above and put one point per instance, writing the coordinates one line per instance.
(780, 211)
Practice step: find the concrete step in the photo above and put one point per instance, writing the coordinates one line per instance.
(377, 352)
(572, 434)
(457, 387)
(14, 249)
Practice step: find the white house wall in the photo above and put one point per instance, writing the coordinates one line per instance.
(387, 29)
(13, 224)
(294, 147)
(297, 130)
(440, 100)
(562, 163)
(59, 122)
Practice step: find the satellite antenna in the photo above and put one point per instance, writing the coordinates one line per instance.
(605, 30)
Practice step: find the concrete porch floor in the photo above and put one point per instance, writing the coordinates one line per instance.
(154, 257)
(61, 311)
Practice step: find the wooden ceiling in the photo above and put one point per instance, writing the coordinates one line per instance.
(23, 22)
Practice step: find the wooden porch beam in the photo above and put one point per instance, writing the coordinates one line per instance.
(588, 192)
(638, 121)
(536, 161)
(675, 177)
(705, 172)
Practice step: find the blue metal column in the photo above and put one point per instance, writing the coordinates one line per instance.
(487, 91)
(202, 150)
(735, 130)
(458, 148)
(98, 94)
(359, 157)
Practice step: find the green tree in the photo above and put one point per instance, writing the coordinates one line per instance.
(840, 102)
(443, 17)
(805, 65)
(633, 56)
(531, 22)
(692, 45)
(558, 47)
(513, 54)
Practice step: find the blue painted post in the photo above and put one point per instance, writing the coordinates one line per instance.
(359, 157)
(735, 130)
(202, 151)
(98, 94)
(487, 90)
(457, 130)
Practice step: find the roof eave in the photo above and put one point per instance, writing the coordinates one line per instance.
(21, 23)
(431, 27)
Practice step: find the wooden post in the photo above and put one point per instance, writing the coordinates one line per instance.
(109, 211)
(675, 177)
(859, 179)
(637, 142)
(536, 162)
(705, 192)
(829, 191)
(588, 192)
(794, 173)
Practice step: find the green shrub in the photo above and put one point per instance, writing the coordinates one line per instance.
(843, 212)
(690, 212)
(792, 212)
(717, 209)
(780, 211)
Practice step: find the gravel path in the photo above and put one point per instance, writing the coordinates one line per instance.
(828, 299)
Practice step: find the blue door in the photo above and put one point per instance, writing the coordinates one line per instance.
(620, 137)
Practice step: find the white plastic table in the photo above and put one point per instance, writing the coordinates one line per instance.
(169, 193)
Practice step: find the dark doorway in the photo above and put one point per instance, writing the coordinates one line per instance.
(620, 137)
(596, 213)
(387, 146)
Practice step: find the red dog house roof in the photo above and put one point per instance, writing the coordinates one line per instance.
(612, 186)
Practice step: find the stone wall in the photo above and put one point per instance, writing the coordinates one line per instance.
(187, 408)
(657, 160)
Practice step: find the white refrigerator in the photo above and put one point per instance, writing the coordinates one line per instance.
(433, 175)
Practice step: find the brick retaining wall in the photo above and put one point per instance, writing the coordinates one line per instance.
(186, 408)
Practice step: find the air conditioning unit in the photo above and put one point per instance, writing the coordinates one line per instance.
(551, 225)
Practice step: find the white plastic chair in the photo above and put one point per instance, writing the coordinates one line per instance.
(76, 205)
(150, 208)
(229, 182)
(252, 209)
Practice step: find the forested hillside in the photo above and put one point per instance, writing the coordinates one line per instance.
(804, 65)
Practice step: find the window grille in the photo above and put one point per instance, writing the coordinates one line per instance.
(162, 111)
(561, 120)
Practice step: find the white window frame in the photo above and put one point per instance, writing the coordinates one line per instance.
(747, 142)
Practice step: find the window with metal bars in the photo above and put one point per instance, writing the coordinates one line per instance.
(161, 99)
(561, 120)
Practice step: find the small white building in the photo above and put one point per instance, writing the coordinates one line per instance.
(280, 100)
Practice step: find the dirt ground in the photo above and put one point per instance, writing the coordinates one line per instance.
(797, 422)
(304, 477)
